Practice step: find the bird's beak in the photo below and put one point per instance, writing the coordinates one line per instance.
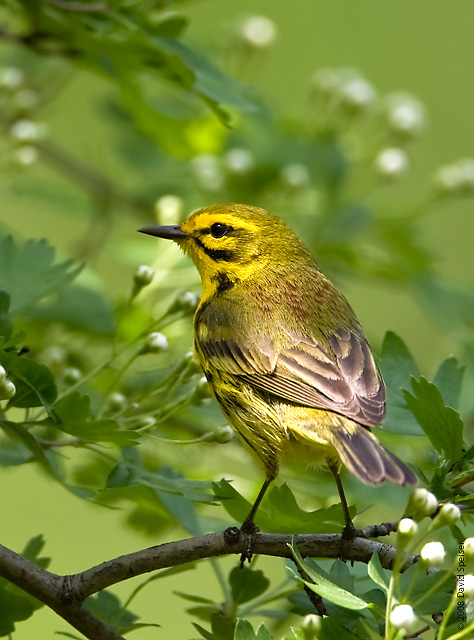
(170, 232)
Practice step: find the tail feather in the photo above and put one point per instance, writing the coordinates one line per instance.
(370, 461)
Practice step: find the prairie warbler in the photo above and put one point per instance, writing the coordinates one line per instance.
(282, 349)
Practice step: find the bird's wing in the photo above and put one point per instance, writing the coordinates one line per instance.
(340, 376)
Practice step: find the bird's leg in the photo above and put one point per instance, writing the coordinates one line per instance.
(248, 527)
(349, 532)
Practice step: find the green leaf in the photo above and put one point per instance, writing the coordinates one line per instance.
(108, 608)
(377, 573)
(6, 325)
(15, 604)
(442, 424)
(19, 433)
(29, 273)
(72, 412)
(448, 379)
(35, 385)
(331, 629)
(244, 631)
(247, 584)
(398, 367)
(280, 512)
(324, 587)
(128, 474)
(429, 593)
(79, 308)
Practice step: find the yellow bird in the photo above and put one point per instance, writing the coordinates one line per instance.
(282, 349)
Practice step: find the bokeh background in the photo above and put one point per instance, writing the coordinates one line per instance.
(90, 152)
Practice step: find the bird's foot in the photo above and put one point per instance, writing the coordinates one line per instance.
(249, 530)
(350, 532)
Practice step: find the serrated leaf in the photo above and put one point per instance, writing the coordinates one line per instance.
(72, 412)
(398, 366)
(244, 630)
(281, 513)
(247, 584)
(324, 587)
(442, 424)
(29, 272)
(448, 378)
(35, 384)
(376, 572)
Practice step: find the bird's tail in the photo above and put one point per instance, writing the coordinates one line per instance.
(364, 456)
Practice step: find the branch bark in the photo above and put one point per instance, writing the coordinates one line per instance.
(66, 594)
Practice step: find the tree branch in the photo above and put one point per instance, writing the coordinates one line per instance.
(66, 594)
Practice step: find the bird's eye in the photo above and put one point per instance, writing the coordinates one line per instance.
(219, 229)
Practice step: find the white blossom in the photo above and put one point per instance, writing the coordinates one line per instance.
(259, 32)
(433, 553)
(403, 617)
(391, 163)
(156, 342)
(169, 208)
(239, 161)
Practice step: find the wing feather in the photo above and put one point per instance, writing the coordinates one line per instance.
(340, 376)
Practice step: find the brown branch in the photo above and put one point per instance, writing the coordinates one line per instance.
(66, 594)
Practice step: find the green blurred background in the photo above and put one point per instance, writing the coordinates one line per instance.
(424, 47)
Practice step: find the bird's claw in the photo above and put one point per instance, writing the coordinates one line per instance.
(249, 530)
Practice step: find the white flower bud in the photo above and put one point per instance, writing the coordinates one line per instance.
(26, 155)
(207, 171)
(146, 423)
(239, 161)
(3, 374)
(469, 548)
(466, 586)
(185, 301)
(72, 375)
(391, 163)
(405, 115)
(26, 99)
(422, 502)
(258, 32)
(358, 94)
(448, 179)
(116, 401)
(403, 617)
(155, 343)
(448, 514)
(54, 355)
(311, 626)
(407, 528)
(11, 78)
(433, 553)
(169, 208)
(27, 131)
(327, 82)
(143, 276)
(224, 434)
(295, 175)
(7, 390)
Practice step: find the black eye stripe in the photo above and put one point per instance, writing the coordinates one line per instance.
(219, 229)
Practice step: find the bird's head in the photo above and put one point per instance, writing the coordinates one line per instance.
(239, 241)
